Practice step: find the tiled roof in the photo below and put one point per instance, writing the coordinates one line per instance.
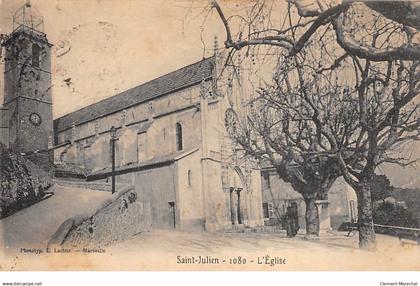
(182, 78)
(158, 161)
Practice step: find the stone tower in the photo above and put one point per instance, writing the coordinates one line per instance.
(27, 82)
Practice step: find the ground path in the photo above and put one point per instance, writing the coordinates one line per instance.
(164, 249)
(34, 226)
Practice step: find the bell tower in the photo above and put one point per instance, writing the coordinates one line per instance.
(27, 82)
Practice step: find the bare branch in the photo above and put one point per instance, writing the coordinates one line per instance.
(351, 46)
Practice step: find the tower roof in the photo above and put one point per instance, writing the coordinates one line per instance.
(29, 17)
(28, 21)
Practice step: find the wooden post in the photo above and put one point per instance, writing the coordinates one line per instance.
(232, 206)
(113, 133)
(113, 164)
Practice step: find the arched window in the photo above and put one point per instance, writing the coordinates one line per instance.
(179, 137)
(35, 55)
(189, 178)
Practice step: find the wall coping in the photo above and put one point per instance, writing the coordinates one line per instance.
(155, 162)
(64, 229)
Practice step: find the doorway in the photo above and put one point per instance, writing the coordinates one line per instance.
(172, 214)
(236, 216)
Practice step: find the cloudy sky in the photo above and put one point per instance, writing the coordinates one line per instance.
(103, 47)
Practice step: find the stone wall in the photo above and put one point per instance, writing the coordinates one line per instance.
(22, 182)
(27, 91)
(190, 201)
(118, 218)
(343, 203)
(143, 131)
(158, 187)
(279, 194)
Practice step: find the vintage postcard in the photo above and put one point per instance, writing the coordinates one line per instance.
(210, 135)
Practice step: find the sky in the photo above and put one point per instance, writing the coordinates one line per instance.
(108, 46)
(103, 47)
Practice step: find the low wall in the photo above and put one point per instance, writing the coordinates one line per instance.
(118, 218)
(97, 186)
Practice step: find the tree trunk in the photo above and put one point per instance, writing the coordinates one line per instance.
(367, 237)
(311, 216)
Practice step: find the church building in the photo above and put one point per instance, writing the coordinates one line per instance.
(172, 145)
(171, 135)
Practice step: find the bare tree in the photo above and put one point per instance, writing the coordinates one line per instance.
(313, 128)
(404, 12)
(292, 124)
(388, 119)
(304, 18)
(374, 58)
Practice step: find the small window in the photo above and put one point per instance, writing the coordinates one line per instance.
(35, 55)
(189, 178)
(268, 211)
(179, 137)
